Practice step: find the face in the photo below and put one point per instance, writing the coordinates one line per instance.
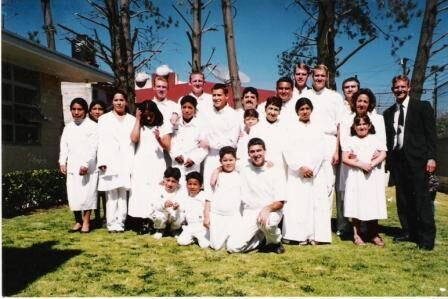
(349, 88)
(149, 116)
(362, 129)
(319, 79)
(197, 84)
(272, 113)
(193, 187)
(401, 90)
(119, 103)
(228, 163)
(188, 111)
(256, 155)
(161, 89)
(304, 113)
(284, 91)
(362, 104)
(170, 184)
(250, 101)
(300, 77)
(78, 112)
(219, 99)
(250, 121)
(96, 112)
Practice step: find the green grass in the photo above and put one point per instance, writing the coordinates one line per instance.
(41, 259)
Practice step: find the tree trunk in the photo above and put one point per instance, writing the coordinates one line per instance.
(231, 52)
(127, 53)
(48, 21)
(196, 36)
(325, 39)
(423, 49)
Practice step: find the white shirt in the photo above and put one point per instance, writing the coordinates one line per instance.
(262, 186)
(205, 104)
(222, 128)
(272, 135)
(185, 141)
(194, 206)
(167, 108)
(396, 116)
(328, 109)
(160, 195)
(226, 198)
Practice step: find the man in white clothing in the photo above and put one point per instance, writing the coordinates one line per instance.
(166, 106)
(301, 73)
(263, 196)
(222, 129)
(283, 90)
(205, 101)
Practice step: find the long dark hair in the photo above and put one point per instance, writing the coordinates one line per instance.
(150, 106)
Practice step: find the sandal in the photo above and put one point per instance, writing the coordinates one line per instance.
(378, 241)
(358, 241)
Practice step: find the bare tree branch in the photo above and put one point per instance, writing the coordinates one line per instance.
(140, 13)
(183, 17)
(305, 37)
(206, 4)
(438, 69)
(443, 9)
(344, 60)
(441, 2)
(209, 29)
(134, 37)
(209, 58)
(440, 38)
(305, 10)
(103, 49)
(438, 50)
(206, 19)
(92, 21)
(100, 9)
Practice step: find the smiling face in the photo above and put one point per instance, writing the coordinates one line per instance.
(304, 113)
(78, 112)
(256, 155)
(272, 113)
(197, 84)
(161, 89)
(284, 91)
(249, 101)
(362, 104)
(228, 162)
(119, 104)
(401, 90)
(362, 129)
(319, 79)
(219, 99)
(300, 77)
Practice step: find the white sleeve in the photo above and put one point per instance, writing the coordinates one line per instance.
(63, 148)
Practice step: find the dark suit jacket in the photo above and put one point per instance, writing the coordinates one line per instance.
(419, 142)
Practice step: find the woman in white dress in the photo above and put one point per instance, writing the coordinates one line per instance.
(77, 160)
(307, 212)
(365, 193)
(115, 156)
(151, 136)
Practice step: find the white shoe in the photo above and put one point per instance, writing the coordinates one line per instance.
(157, 235)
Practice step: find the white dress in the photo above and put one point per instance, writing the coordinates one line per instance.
(365, 196)
(147, 171)
(78, 148)
(307, 212)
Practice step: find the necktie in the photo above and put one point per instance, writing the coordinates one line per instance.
(400, 128)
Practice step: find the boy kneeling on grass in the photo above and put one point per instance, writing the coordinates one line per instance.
(166, 212)
(193, 204)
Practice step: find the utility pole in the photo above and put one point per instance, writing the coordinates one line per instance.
(403, 63)
(48, 27)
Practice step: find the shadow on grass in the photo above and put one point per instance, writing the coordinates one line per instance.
(22, 266)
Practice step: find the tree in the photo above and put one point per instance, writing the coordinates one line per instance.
(231, 52)
(328, 20)
(131, 26)
(425, 45)
(195, 31)
(48, 21)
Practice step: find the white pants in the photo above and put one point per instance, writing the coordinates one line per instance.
(116, 209)
(192, 232)
(221, 227)
(210, 164)
(250, 233)
(169, 216)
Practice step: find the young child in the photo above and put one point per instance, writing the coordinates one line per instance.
(193, 207)
(223, 209)
(250, 120)
(365, 191)
(165, 205)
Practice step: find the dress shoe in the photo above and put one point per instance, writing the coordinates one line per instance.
(402, 238)
(278, 248)
(426, 247)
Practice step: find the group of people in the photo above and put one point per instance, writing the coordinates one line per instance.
(259, 176)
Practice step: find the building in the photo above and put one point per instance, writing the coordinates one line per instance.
(32, 117)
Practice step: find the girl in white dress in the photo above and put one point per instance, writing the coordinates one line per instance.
(364, 191)
(151, 136)
(115, 156)
(307, 212)
(77, 160)
(223, 208)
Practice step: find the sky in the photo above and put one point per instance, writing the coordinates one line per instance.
(262, 28)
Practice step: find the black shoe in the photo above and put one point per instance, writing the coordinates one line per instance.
(426, 247)
(344, 235)
(143, 230)
(277, 248)
(405, 238)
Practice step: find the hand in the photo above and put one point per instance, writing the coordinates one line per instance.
(375, 155)
(174, 118)
(366, 167)
(156, 133)
(63, 169)
(179, 159)
(431, 166)
(305, 172)
(138, 115)
(168, 204)
(175, 205)
(188, 163)
(83, 170)
(352, 155)
(102, 168)
(263, 217)
(335, 158)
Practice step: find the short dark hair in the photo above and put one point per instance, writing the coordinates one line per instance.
(369, 94)
(82, 103)
(221, 86)
(97, 102)
(284, 79)
(194, 175)
(172, 172)
(189, 99)
(303, 101)
(357, 119)
(351, 79)
(256, 141)
(400, 78)
(122, 92)
(227, 150)
(274, 100)
(149, 105)
(251, 113)
(251, 90)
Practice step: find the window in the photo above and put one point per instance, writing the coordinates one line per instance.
(21, 117)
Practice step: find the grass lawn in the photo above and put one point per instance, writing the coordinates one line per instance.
(41, 259)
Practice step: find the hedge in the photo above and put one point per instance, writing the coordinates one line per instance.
(25, 191)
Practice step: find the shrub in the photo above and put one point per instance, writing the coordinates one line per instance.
(25, 191)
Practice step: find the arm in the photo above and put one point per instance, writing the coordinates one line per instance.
(263, 216)
(355, 162)
(335, 158)
(63, 153)
(214, 177)
(135, 134)
(206, 222)
(431, 136)
(164, 141)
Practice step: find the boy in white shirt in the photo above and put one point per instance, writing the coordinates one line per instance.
(165, 205)
(193, 206)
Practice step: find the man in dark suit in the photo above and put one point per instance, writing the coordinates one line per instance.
(411, 144)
